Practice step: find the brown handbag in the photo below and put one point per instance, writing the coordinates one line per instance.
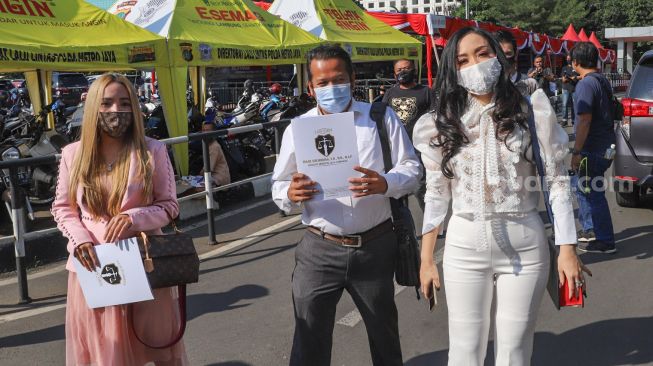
(169, 260)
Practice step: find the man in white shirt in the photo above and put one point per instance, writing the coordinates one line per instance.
(349, 243)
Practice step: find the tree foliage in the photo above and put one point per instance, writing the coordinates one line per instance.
(553, 16)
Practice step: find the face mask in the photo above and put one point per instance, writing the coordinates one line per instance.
(406, 77)
(115, 124)
(333, 98)
(481, 78)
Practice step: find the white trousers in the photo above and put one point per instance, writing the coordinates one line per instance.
(516, 269)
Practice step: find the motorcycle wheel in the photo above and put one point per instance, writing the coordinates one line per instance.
(254, 162)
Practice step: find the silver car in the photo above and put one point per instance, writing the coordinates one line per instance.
(633, 162)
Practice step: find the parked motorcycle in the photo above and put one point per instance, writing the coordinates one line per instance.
(25, 138)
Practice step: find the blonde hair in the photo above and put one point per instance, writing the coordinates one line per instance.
(88, 167)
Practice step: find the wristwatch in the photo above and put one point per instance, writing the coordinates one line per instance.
(573, 151)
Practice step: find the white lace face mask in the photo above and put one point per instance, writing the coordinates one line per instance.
(481, 78)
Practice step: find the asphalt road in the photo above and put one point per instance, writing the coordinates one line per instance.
(240, 313)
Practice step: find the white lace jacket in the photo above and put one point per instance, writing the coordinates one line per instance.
(493, 177)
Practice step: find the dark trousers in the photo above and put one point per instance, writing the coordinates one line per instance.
(323, 270)
(590, 185)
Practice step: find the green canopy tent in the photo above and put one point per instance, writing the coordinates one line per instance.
(211, 33)
(40, 37)
(343, 22)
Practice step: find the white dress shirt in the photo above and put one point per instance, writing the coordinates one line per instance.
(348, 215)
(494, 177)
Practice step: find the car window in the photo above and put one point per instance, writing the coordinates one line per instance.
(72, 80)
(642, 81)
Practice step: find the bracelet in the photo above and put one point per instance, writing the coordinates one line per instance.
(573, 151)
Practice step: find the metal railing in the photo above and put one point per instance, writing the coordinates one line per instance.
(18, 199)
(618, 81)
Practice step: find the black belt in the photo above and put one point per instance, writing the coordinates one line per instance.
(356, 240)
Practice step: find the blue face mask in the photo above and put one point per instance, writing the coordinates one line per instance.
(333, 98)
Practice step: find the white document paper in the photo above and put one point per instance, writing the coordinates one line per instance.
(120, 279)
(326, 150)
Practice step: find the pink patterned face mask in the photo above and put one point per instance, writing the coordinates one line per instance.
(115, 124)
(481, 78)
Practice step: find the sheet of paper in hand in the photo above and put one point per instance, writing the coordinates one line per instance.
(326, 150)
(120, 279)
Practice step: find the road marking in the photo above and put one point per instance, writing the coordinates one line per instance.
(249, 238)
(32, 312)
(354, 317)
(227, 215)
(57, 269)
(214, 253)
(47, 272)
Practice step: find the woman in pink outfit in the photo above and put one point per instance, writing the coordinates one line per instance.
(113, 184)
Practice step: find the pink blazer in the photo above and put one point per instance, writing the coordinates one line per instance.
(77, 223)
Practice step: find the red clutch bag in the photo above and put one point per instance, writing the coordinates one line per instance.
(564, 300)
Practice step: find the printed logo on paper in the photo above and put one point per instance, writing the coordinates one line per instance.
(325, 144)
(111, 274)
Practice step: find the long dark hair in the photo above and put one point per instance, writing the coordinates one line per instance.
(452, 101)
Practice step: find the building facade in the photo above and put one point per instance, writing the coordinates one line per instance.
(443, 7)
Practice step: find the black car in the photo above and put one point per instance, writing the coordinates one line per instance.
(633, 162)
(69, 87)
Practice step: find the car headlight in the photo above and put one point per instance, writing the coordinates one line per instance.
(11, 154)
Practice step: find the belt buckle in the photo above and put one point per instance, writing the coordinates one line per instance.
(359, 241)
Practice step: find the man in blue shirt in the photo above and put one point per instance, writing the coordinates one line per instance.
(594, 135)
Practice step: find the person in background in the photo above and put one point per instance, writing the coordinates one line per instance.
(524, 84)
(569, 80)
(349, 242)
(113, 184)
(275, 100)
(594, 135)
(410, 100)
(543, 76)
(219, 168)
(476, 151)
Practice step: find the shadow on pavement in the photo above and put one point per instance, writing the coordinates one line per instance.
(50, 334)
(200, 304)
(604, 343)
(628, 245)
(230, 363)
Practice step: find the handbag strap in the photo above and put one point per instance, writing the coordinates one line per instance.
(377, 113)
(539, 164)
(181, 300)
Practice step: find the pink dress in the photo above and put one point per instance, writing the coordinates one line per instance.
(104, 336)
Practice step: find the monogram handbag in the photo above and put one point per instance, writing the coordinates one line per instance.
(407, 267)
(558, 294)
(169, 260)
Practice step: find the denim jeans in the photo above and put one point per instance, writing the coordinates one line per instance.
(567, 102)
(590, 185)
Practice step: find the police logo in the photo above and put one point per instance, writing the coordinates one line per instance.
(325, 144)
(348, 47)
(186, 51)
(111, 274)
(205, 52)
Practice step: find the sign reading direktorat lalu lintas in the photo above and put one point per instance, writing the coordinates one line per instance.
(70, 34)
(234, 33)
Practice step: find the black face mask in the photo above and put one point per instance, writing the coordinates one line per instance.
(406, 77)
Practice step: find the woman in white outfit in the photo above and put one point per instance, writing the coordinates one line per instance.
(477, 151)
